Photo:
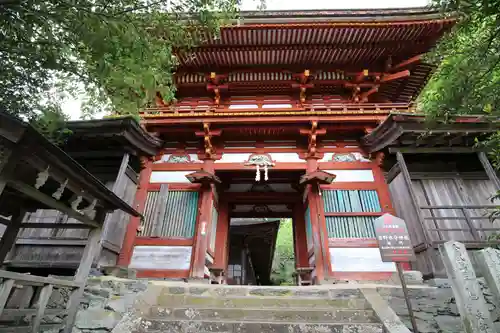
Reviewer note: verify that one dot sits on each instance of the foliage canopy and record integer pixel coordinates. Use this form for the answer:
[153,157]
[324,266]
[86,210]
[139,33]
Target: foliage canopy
[120,52]
[467,80]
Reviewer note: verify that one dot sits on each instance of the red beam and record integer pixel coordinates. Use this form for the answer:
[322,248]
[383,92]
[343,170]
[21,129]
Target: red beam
[364,96]
[407,62]
[395,76]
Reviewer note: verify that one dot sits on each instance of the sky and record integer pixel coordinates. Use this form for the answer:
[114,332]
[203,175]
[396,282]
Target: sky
[72,107]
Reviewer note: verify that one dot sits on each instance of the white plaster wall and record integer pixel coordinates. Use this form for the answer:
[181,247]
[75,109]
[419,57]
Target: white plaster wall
[352,175]
[286,157]
[359,260]
[234,158]
[169,177]
[161,257]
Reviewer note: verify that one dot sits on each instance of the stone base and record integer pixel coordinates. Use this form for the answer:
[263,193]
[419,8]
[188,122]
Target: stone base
[198,281]
[411,278]
[121,272]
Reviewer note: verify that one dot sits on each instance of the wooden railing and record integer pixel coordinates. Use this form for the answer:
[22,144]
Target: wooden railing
[30,295]
[175,110]
[473,232]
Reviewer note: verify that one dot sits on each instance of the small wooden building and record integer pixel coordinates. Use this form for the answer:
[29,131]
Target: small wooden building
[439,181]
[113,150]
[36,175]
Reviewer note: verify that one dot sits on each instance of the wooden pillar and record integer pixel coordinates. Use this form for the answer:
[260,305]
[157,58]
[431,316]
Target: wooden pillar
[134,222]
[91,250]
[430,251]
[204,224]
[300,237]
[222,237]
[317,219]
[5,159]
[490,171]
[9,236]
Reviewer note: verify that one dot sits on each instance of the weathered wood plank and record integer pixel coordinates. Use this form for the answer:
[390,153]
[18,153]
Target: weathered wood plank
[89,253]
[492,175]
[10,234]
[159,213]
[55,226]
[53,241]
[437,150]
[27,329]
[10,314]
[5,290]
[36,280]
[42,304]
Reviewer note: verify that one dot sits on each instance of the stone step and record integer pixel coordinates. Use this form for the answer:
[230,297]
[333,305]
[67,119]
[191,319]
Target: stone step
[290,315]
[193,326]
[225,291]
[169,300]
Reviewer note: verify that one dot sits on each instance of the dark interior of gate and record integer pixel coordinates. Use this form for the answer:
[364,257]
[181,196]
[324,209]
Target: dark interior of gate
[255,208]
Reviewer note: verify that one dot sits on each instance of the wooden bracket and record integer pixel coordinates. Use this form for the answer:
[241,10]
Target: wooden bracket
[214,84]
[304,79]
[313,136]
[207,135]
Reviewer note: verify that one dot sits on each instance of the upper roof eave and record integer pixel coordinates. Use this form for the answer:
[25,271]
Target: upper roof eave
[347,15]
[123,126]
[397,124]
[17,131]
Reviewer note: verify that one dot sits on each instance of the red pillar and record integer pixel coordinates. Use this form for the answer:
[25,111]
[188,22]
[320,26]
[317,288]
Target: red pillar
[134,222]
[222,238]
[300,237]
[204,222]
[318,226]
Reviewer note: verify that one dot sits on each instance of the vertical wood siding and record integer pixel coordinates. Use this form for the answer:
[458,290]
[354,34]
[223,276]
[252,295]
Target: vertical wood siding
[350,226]
[309,238]
[180,214]
[148,224]
[454,192]
[213,231]
[350,201]
[342,201]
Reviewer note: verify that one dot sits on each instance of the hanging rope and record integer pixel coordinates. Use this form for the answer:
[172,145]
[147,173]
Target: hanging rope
[265,172]
[257,175]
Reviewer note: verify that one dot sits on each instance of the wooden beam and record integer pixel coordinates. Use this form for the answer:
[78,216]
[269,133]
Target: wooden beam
[395,76]
[364,96]
[406,62]
[42,304]
[51,202]
[10,234]
[414,202]
[33,280]
[51,241]
[492,175]
[88,256]
[55,226]
[436,150]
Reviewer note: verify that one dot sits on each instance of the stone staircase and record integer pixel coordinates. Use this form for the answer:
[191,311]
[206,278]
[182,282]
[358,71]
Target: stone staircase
[250,309]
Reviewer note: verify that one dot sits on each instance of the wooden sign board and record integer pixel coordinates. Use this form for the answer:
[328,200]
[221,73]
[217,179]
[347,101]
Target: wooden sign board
[393,239]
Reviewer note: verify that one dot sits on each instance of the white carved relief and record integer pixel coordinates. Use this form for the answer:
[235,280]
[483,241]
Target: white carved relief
[349,157]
